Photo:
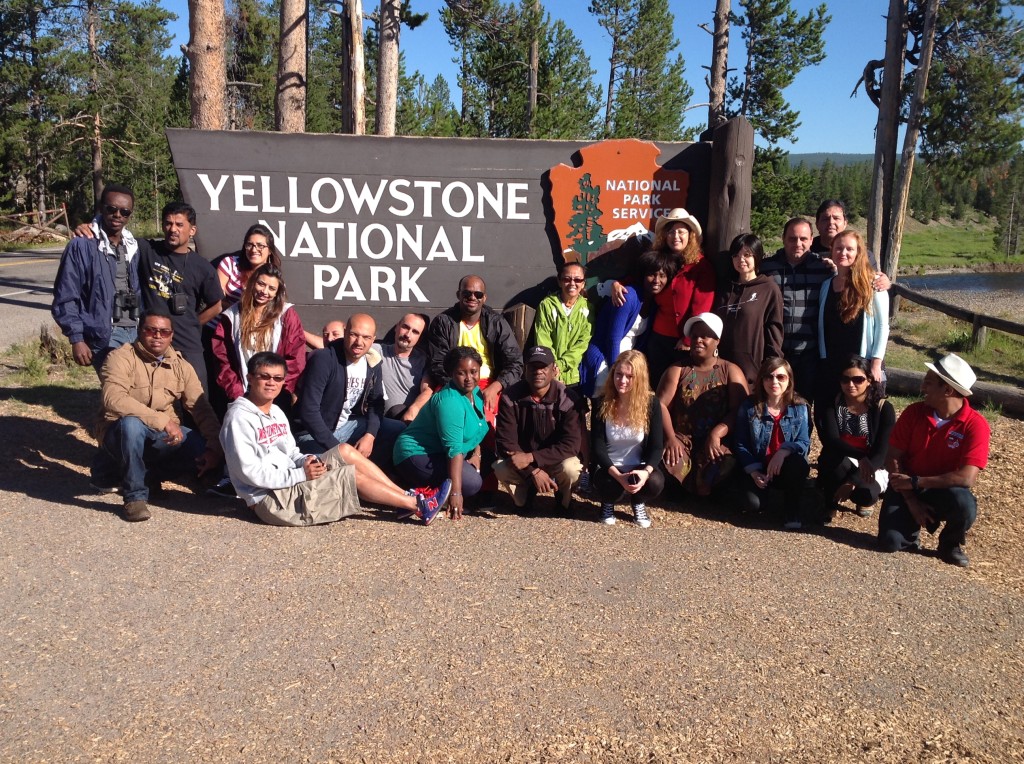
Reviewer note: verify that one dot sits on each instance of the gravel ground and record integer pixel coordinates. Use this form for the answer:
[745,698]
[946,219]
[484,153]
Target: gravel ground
[202,635]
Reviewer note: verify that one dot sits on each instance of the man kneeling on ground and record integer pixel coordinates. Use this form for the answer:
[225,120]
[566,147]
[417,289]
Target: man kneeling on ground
[286,487]
[141,439]
[937,448]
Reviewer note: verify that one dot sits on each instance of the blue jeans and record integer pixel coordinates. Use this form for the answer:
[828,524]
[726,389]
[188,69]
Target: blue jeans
[121,335]
[897,528]
[353,430]
[130,450]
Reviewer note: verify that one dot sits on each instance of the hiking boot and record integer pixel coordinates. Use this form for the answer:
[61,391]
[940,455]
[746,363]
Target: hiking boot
[954,555]
[640,516]
[608,514]
[136,511]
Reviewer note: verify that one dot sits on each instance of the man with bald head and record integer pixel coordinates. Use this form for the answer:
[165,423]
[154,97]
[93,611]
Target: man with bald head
[342,397]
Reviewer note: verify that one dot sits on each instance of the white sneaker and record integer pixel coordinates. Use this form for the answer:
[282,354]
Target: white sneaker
[640,516]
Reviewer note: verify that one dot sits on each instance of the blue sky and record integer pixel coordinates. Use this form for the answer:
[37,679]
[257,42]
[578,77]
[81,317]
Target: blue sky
[831,120]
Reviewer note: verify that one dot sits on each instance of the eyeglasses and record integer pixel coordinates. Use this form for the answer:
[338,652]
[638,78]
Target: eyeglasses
[469,293]
[254,247]
[858,379]
[571,280]
[152,331]
[110,209]
[777,377]
[265,377]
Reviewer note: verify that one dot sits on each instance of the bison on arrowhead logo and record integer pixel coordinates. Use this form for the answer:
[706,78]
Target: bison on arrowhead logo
[618,191]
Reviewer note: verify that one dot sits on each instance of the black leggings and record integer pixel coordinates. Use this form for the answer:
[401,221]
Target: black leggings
[789,483]
[835,469]
[609,490]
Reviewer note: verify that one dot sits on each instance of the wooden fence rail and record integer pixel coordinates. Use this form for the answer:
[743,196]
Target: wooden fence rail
[980,323]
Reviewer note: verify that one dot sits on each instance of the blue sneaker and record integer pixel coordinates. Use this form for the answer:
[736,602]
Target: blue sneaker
[428,508]
[443,493]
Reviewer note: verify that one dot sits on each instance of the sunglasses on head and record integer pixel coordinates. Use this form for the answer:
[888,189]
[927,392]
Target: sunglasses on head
[154,331]
[857,379]
[266,377]
[469,293]
[110,209]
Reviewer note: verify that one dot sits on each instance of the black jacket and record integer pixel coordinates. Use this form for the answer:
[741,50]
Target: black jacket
[506,355]
[324,389]
[653,446]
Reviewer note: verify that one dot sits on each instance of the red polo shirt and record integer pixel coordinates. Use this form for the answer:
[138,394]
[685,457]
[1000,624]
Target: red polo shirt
[930,450]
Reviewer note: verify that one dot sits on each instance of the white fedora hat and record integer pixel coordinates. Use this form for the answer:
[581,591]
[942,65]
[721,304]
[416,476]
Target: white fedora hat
[714,323]
[955,372]
[678,215]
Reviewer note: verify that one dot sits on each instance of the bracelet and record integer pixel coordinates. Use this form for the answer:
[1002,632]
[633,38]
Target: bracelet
[913,483]
[455,494]
[535,471]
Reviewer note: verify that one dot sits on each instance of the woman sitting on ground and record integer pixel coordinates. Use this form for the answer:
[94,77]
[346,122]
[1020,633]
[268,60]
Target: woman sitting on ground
[263,320]
[855,429]
[772,441]
[701,394]
[443,441]
[627,440]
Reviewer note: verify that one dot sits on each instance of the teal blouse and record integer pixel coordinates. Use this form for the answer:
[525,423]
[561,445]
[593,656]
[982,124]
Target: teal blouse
[449,424]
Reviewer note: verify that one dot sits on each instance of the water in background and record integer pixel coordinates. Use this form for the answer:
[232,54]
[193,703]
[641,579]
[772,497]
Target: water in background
[965,282]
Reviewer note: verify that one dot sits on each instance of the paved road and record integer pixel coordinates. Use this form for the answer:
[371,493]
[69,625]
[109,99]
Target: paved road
[26,289]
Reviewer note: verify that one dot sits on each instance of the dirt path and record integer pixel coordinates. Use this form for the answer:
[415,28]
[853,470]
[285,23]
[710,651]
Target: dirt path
[202,635]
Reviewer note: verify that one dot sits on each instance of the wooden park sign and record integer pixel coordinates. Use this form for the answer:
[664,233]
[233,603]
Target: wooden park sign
[390,225]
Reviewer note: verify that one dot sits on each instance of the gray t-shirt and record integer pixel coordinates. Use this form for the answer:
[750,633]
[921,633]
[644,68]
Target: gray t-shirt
[401,376]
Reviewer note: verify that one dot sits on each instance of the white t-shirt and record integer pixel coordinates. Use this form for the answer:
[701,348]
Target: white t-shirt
[624,444]
[356,376]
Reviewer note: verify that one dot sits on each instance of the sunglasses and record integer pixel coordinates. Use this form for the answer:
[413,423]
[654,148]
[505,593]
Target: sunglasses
[255,247]
[572,280]
[152,331]
[777,377]
[265,377]
[110,209]
[858,379]
[468,293]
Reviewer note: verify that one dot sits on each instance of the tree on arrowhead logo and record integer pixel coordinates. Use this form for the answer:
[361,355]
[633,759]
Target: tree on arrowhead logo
[618,191]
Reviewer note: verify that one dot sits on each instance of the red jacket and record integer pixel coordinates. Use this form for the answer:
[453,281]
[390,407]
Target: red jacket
[290,343]
[692,291]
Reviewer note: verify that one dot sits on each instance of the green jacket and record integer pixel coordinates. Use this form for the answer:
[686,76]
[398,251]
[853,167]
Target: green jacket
[567,335]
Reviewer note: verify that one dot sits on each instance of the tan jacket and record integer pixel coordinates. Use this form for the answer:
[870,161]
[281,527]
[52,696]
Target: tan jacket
[136,384]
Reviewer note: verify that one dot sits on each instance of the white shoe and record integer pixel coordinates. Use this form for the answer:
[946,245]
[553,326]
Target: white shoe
[640,516]
[608,514]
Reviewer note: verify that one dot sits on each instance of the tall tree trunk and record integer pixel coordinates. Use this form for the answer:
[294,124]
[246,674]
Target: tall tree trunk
[886,132]
[290,96]
[613,65]
[94,82]
[531,103]
[719,65]
[387,66]
[899,205]
[353,115]
[207,63]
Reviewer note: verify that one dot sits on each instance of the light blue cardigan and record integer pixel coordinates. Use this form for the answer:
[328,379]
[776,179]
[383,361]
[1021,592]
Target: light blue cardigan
[876,324]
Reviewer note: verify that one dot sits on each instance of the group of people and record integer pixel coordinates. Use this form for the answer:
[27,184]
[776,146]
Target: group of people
[678,377]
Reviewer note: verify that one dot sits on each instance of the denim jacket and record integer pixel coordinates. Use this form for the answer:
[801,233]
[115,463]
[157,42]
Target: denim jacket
[754,433]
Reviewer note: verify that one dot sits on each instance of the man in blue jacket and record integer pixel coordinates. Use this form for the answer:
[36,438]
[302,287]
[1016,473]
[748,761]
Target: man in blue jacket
[96,292]
[342,398]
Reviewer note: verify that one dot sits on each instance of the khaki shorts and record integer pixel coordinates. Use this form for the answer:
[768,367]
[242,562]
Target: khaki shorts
[325,500]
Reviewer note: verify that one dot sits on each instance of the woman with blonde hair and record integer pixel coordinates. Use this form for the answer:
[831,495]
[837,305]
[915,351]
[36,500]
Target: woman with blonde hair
[627,440]
[853,319]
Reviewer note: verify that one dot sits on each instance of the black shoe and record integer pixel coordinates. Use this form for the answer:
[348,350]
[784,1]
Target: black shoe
[101,486]
[224,489]
[954,555]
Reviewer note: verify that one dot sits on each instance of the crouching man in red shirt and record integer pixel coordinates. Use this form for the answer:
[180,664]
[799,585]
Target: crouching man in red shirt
[936,450]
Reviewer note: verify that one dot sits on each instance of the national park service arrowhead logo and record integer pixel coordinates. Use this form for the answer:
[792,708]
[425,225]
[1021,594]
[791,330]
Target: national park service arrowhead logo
[618,190]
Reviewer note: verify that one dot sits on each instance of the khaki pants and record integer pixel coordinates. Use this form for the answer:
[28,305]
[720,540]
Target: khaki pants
[566,475]
[313,502]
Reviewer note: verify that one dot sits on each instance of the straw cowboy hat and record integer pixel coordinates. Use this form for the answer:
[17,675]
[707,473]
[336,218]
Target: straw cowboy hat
[954,371]
[678,215]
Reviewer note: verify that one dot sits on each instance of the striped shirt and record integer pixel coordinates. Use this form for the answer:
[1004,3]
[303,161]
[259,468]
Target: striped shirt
[800,285]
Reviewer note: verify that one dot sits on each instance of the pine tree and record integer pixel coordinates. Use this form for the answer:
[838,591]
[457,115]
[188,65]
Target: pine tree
[779,44]
[653,92]
[585,229]
[568,103]
[252,65]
